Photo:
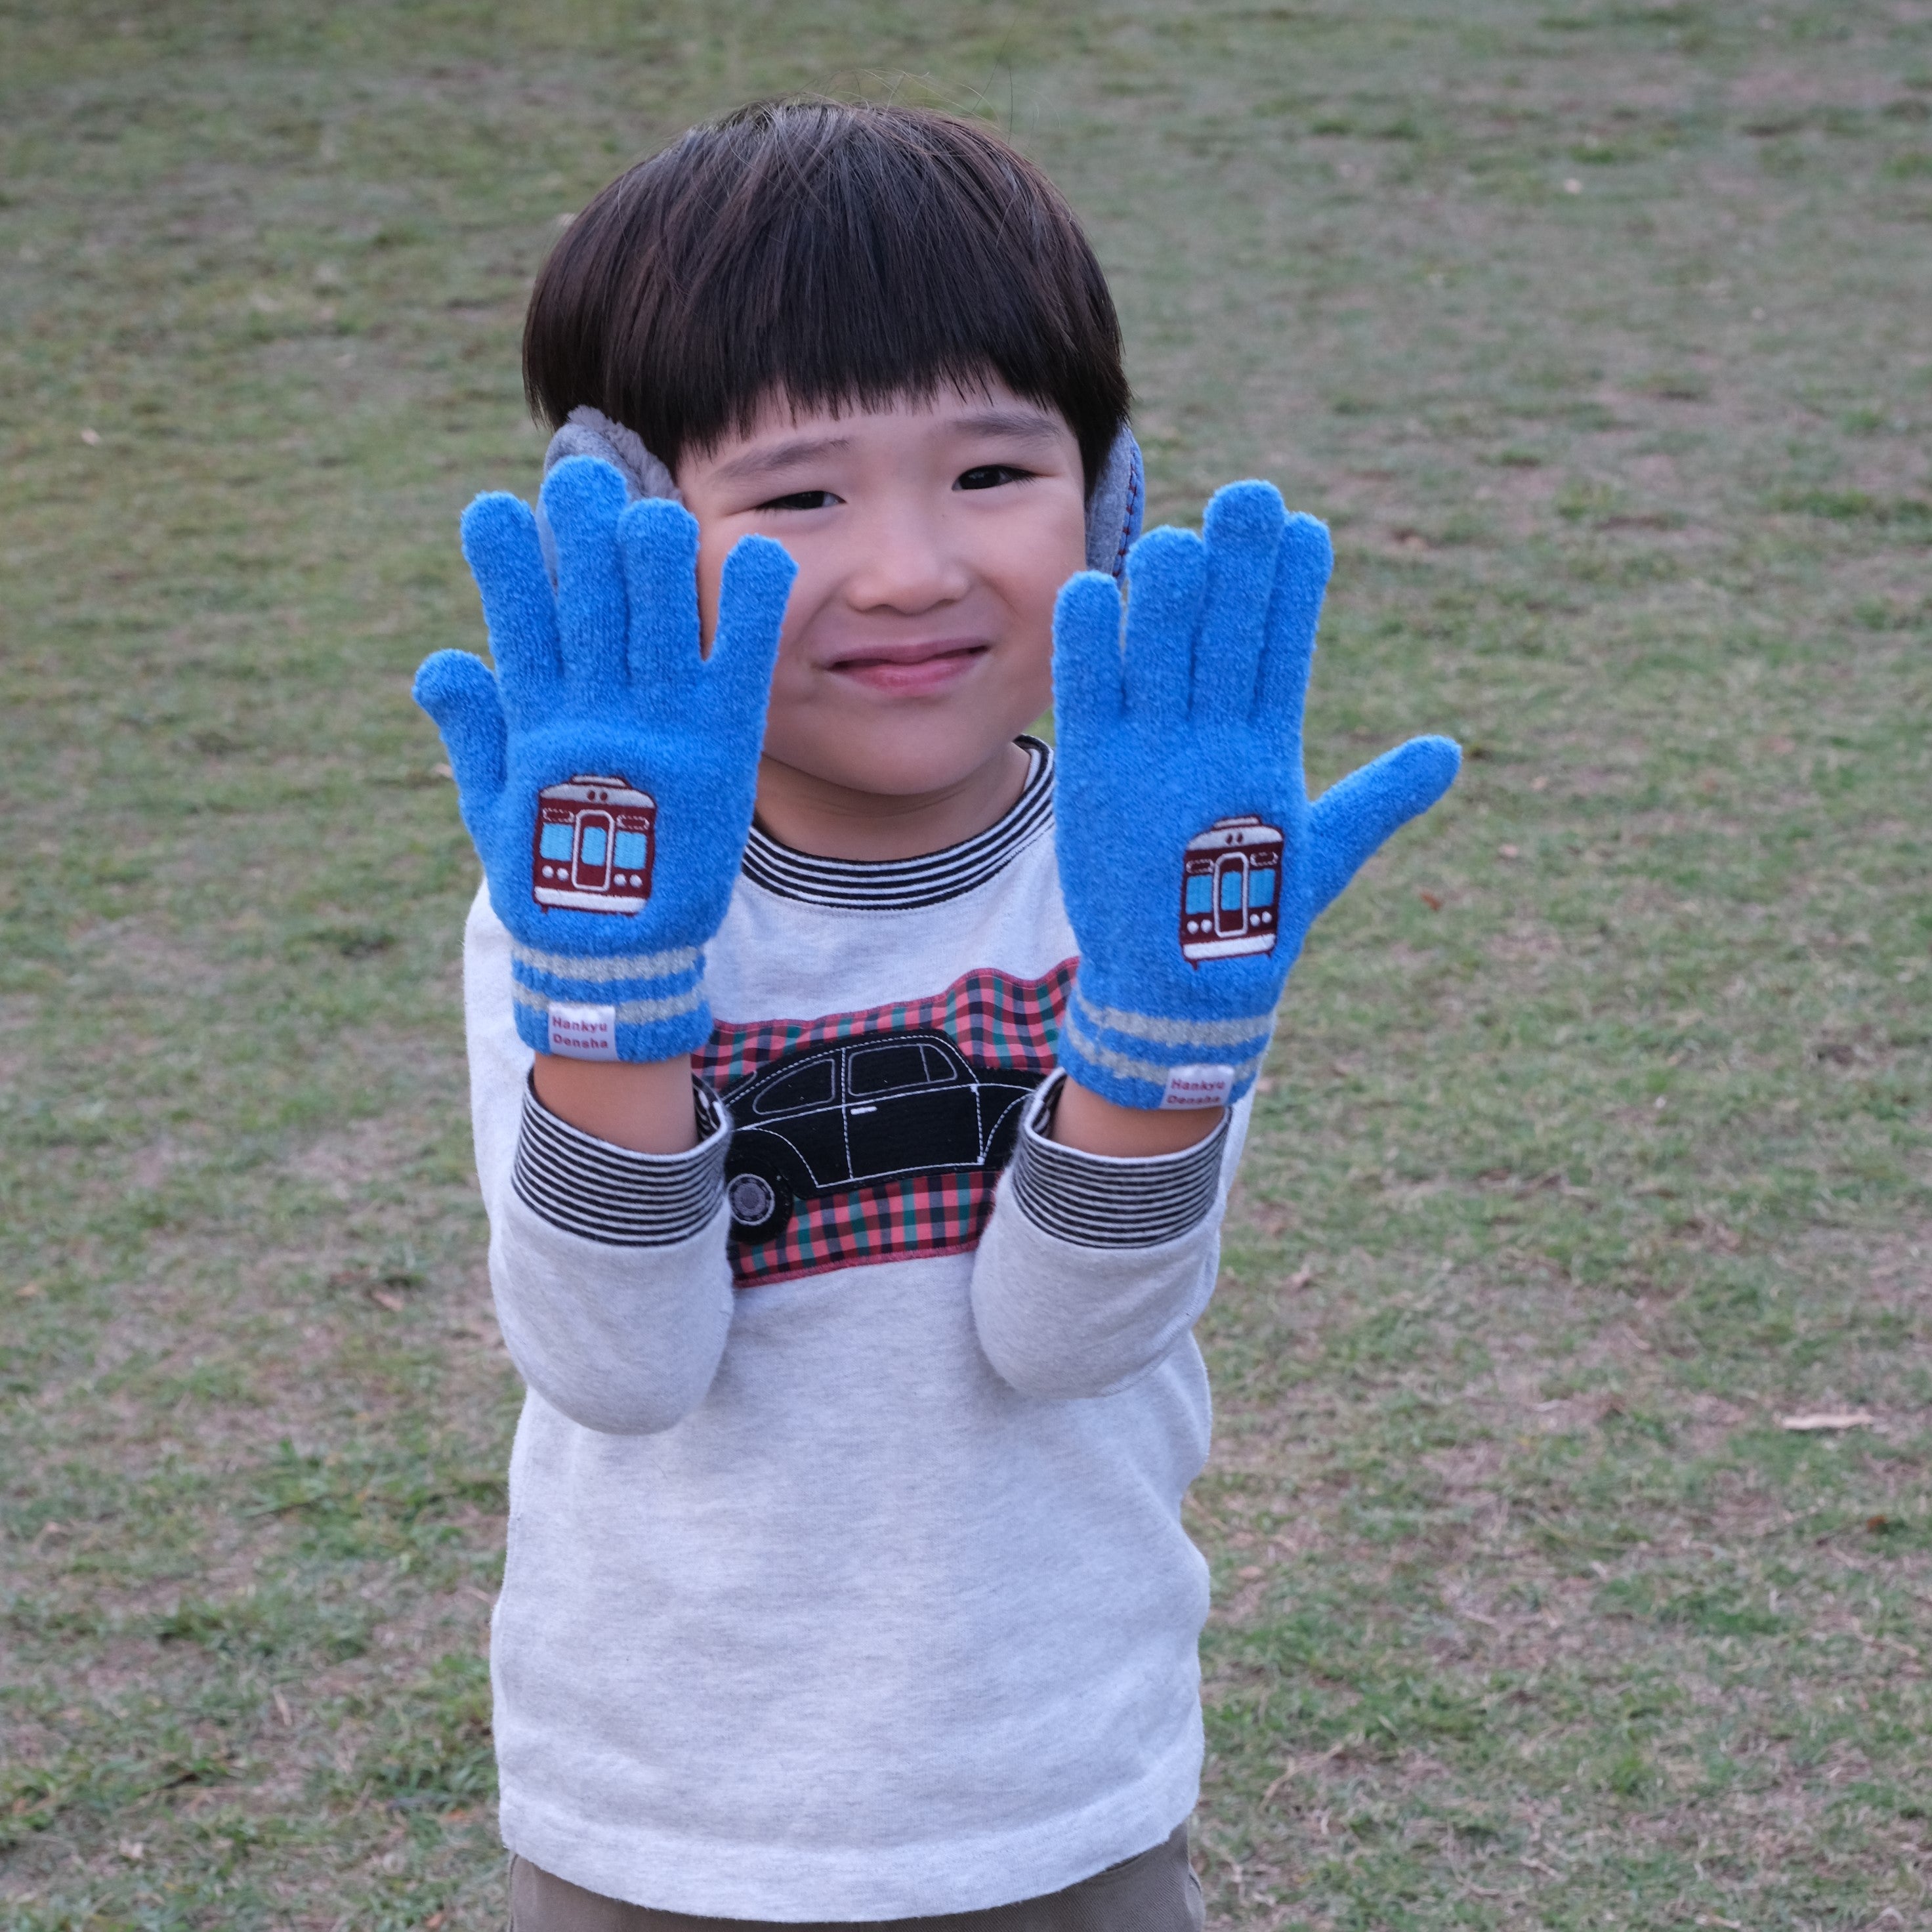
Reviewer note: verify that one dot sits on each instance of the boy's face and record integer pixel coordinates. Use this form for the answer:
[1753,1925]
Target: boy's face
[931,538]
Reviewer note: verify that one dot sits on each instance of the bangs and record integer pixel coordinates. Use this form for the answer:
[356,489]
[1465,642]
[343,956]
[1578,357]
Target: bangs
[831,255]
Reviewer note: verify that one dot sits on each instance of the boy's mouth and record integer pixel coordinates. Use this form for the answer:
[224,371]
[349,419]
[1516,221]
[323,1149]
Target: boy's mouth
[911,670]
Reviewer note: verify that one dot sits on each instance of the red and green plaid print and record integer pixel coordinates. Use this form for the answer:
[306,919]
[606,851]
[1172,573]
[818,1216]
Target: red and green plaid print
[996,1020]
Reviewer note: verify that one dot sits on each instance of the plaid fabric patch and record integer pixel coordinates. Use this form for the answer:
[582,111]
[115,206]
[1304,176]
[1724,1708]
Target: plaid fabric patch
[996,1021]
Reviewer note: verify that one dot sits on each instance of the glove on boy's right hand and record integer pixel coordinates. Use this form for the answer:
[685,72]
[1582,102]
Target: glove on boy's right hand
[606,771]
[1191,860]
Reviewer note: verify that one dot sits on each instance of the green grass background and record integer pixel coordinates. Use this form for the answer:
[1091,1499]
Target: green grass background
[1595,1142]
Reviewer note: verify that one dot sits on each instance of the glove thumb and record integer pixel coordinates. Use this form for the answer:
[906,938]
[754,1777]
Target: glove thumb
[1353,816]
[459,692]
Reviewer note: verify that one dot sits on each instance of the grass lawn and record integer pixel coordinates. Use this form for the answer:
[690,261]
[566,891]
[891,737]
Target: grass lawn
[1596,1142]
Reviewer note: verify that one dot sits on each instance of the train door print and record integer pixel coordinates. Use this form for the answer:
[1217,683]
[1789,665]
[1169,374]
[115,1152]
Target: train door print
[594,845]
[1231,880]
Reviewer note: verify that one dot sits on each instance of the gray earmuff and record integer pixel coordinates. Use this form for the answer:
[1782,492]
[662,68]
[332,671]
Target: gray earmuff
[589,432]
[1114,509]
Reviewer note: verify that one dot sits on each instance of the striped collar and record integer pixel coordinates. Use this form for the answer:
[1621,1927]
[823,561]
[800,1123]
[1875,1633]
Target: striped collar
[899,885]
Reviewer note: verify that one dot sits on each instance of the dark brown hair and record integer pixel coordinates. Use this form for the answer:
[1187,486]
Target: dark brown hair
[835,256]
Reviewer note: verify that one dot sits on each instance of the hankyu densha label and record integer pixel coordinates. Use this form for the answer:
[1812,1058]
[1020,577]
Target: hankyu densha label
[1198,1087]
[583,1033]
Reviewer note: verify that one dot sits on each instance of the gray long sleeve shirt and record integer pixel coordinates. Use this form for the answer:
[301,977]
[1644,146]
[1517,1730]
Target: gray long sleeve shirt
[846,1577]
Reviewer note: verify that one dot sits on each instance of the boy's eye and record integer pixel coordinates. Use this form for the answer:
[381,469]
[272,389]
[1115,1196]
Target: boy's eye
[991,475]
[801,499]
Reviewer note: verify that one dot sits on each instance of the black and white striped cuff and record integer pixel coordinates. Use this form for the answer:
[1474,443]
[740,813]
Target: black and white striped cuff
[604,1193]
[1103,1201]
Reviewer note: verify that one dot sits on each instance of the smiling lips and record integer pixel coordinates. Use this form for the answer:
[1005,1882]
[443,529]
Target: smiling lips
[911,670]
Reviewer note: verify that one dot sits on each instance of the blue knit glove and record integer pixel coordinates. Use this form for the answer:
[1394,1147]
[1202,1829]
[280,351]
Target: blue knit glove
[1191,860]
[606,770]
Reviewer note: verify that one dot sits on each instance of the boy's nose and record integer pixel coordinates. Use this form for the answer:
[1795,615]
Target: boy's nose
[907,560]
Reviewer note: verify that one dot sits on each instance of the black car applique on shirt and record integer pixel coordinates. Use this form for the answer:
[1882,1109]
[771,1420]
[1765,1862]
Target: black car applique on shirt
[914,1177]
[872,1107]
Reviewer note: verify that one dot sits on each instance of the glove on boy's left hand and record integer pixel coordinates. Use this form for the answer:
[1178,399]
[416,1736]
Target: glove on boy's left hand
[606,771]
[1191,860]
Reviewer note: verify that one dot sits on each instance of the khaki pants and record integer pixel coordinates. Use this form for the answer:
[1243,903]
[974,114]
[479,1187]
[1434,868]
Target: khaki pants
[1155,1892]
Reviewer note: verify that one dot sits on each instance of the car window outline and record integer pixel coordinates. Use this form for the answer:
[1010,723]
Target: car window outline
[934,1053]
[763,1106]
[900,1044]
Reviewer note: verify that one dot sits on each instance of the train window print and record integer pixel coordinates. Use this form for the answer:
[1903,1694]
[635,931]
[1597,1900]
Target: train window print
[594,845]
[1228,881]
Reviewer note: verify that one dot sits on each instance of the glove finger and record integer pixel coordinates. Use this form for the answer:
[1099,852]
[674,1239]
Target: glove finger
[499,544]
[1302,560]
[751,598]
[659,540]
[1242,531]
[1353,816]
[1086,667]
[1166,572]
[582,499]
[460,693]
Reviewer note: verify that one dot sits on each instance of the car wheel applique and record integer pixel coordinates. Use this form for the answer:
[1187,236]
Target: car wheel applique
[760,1205]
[1230,882]
[871,1107]
[594,845]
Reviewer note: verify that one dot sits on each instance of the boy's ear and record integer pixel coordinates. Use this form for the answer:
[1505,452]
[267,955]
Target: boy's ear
[1113,510]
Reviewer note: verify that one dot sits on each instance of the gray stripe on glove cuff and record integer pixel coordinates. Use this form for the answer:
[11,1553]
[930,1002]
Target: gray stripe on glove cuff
[1126,1067]
[629,1012]
[1199,1034]
[589,970]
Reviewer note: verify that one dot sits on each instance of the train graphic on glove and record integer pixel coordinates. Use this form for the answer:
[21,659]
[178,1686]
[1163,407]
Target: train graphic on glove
[1230,890]
[594,845]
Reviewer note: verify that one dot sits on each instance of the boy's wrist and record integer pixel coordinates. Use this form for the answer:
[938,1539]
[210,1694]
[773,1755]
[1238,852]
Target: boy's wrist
[644,1106]
[1092,1124]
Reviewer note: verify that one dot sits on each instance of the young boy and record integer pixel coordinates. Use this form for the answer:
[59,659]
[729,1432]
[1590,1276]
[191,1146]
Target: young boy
[854,1150]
